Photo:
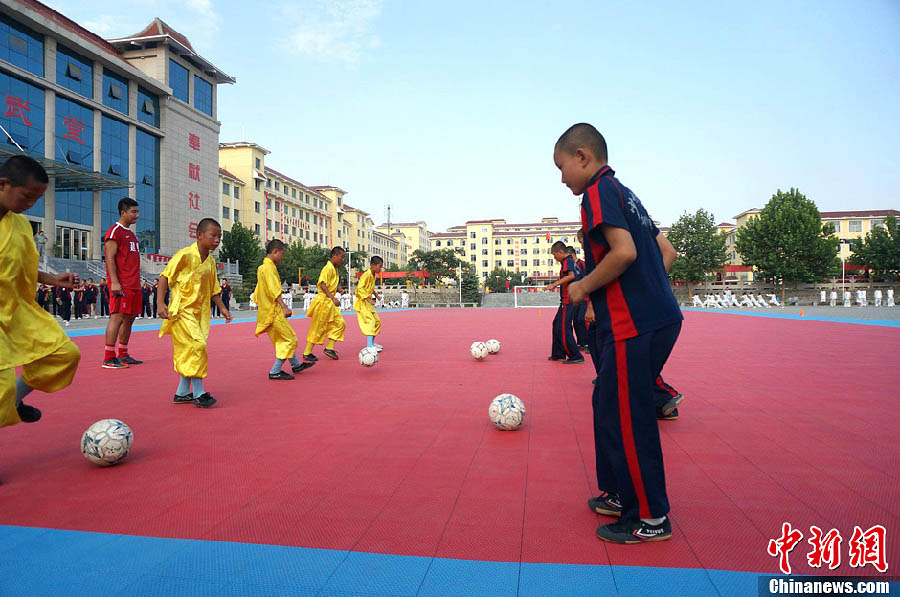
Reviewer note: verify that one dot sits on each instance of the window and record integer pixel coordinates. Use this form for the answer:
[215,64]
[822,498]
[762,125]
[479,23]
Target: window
[496,241]
[307,200]
[277,226]
[473,259]
[307,216]
[854,226]
[256,207]
[498,251]
[437,243]
[256,228]
[471,235]
[21,46]
[293,230]
[484,241]
[268,224]
[257,185]
[147,163]
[484,251]
[524,241]
[877,224]
[268,183]
[535,251]
[203,95]
[257,164]
[237,214]
[307,235]
[472,246]
[315,219]
[226,188]
[524,263]
[115,92]
[178,81]
[293,193]
[523,251]
[510,251]
[225,213]
[277,186]
[113,160]
[510,263]
[237,192]
[449,243]
[277,206]
[484,263]
[315,237]
[551,262]
[537,239]
[498,263]
[509,241]
[536,262]
[74,72]
[268,204]
[148,107]
[74,133]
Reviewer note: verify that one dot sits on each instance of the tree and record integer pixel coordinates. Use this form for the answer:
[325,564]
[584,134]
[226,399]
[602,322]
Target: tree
[880,250]
[788,242]
[701,249]
[470,292]
[438,264]
[242,245]
[497,279]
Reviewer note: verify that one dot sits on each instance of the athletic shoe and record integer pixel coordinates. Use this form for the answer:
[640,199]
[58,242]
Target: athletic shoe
[330,354]
[28,414]
[594,381]
[669,417]
[311,358]
[379,347]
[301,367]
[188,399]
[573,361]
[129,360]
[114,363]
[635,531]
[281,375]
[606,504]
[671,405]
[585,348]
[204,400]
[67,324]
[553,358]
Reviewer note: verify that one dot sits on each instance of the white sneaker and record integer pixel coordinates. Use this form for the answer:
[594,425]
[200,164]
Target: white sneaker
[379,347]
[67,324]
[96,316]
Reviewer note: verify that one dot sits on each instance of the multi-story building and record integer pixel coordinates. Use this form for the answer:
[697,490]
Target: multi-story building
[246,161]
[132,117]
[388,248]
[525,248]
[231,205]
[339,230]
[415,235]
[359,229]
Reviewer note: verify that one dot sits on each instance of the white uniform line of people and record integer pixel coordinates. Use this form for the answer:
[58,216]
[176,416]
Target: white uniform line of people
[728,299]
[862,299]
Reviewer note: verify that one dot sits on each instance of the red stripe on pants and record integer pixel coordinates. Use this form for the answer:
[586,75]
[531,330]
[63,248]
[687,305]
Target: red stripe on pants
[669,389]
[631,457]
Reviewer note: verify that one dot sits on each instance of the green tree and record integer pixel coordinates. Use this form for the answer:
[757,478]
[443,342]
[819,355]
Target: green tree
[242,245]
[470,292]
[788,242]
[880,250]
[496,280]
[700,247]
[438,264]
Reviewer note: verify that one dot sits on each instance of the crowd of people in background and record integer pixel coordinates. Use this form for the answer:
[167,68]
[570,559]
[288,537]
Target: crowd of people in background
[90,300]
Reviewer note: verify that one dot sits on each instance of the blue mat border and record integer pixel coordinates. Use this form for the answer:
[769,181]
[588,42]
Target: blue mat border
[876,322]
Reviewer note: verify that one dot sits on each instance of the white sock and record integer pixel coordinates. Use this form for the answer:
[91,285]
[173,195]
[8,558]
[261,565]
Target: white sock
[653,521]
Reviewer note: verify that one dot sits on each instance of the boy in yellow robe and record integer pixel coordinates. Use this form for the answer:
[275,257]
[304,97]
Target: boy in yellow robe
[366,316]
[325,310]
[29,336]
[273,313]
[192,277]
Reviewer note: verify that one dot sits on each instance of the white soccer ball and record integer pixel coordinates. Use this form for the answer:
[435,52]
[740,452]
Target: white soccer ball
[507,412]
[107,442]
[368,356]
[478,350]
[493,346]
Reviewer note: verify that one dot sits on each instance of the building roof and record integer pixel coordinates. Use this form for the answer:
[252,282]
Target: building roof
[159,31]
[296,182]
[754,210]
[440,235]
[404,225]
[720,225]
[348,208]
[495,220]
[328,188]
[865,213]
[227,174]
[244,144]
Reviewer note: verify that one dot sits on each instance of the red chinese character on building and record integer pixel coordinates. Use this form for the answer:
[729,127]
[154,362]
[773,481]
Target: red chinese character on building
[826,548]
[192,229]
[194,200]
[76,127]
[868,548]
[782,546]
[16,107]
[194,171]
[194,141]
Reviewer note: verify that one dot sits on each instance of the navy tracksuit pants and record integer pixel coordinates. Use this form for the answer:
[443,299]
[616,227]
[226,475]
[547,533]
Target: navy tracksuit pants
[564,344]
[580,328]
[626,434]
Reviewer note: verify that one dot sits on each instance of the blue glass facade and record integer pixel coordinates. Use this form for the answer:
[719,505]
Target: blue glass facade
[147,179]
[74,72]
[178,81]
[23,117]
[148,107]
[21,46]
[115,92]
[113,162]
[203,95]
[75,144]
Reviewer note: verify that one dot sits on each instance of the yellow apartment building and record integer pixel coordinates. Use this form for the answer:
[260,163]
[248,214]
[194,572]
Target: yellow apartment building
[415,235]
[295,212]
[231,197]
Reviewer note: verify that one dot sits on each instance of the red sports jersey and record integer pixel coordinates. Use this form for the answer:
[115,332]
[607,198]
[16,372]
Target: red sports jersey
[128,256]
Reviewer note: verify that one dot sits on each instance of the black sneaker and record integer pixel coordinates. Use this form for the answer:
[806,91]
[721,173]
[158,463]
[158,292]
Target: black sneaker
[606,504]
[585,348]
[28,414]
[635,531]
[310,358]
[594,381]
[573,361]
[204,400]
[330,354]
[114,363]
[669,417]
[281,375]
[129,360]
[553,358]
[671,405]
[301,367]
[187,399]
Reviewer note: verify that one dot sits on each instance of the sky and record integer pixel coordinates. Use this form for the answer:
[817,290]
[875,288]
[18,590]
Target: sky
[448,111]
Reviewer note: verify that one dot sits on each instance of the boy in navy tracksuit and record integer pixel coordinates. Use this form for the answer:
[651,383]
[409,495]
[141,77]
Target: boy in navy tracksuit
[638,321]
[564,348]
[580,310]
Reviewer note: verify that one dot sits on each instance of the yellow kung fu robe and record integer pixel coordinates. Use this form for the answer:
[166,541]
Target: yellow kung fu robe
[270,318]
[193,283]
[366,316]
[326,321]
[29,336]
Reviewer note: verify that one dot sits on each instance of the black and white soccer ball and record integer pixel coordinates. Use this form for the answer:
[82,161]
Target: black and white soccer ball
[507,412]
[107,442]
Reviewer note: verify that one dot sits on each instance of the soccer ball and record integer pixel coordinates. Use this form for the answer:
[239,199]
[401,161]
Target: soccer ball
[493,346]
[107,442]
[368,356]
[507,412]
[478,350]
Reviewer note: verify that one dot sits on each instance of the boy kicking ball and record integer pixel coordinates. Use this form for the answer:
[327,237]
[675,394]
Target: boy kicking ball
[273,313]
[366,316]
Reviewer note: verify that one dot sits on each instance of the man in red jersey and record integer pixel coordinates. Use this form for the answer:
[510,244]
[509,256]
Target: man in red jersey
[123,271]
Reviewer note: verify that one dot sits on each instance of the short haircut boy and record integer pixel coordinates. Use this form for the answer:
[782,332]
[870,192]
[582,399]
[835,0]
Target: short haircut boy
[558,246]
[376,260]
[126,203]
[583,135]
[275,245]
[337,251]
[19,169]
[206,223]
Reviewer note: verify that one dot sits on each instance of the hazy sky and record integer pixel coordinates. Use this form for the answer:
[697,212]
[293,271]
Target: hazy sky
[449,110]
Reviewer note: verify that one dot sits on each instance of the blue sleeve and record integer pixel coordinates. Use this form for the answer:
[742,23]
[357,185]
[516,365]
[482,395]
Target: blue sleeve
[603,203]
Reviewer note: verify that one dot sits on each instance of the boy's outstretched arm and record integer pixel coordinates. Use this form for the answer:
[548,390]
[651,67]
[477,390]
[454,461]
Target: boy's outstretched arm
[63,279]
[622,254]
